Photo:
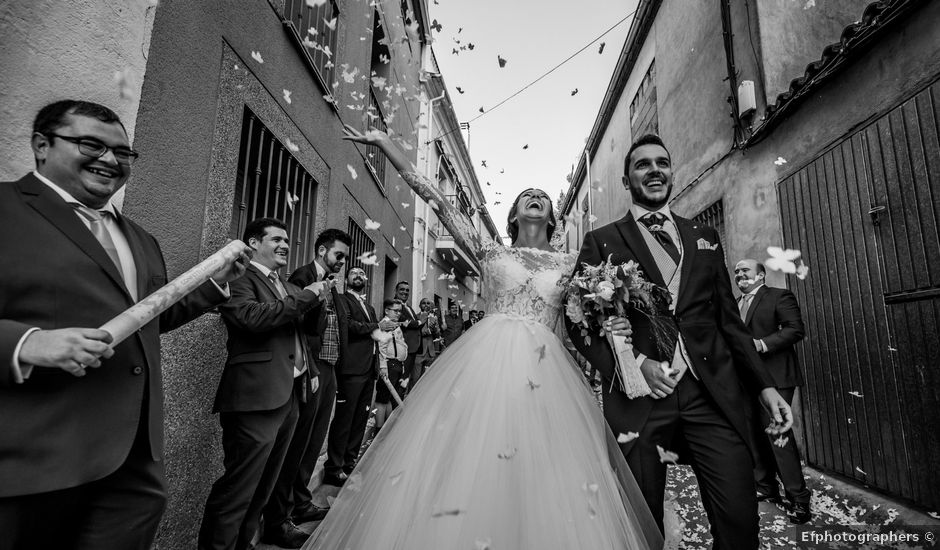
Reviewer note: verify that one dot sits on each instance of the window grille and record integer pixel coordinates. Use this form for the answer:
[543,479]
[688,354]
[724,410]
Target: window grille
[714,216]
[361,243]
[316,29]
[643,115]
[271,183]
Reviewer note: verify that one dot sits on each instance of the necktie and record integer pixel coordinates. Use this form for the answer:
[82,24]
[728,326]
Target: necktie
[96,225]
[745,304]
[299,365]
[655,222]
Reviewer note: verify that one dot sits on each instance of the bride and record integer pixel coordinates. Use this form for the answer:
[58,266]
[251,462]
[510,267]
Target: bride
[501,445]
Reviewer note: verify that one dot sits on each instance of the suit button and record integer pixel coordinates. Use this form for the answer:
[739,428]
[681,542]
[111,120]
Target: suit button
[137,371]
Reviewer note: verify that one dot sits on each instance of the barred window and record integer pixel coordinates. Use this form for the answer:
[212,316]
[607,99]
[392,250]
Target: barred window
[377,112]
[361,243]
[271,183]
[314,29]
[714,216]
[643,115]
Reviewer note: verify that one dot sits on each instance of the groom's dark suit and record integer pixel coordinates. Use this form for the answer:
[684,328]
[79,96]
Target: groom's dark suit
[81,458]
[706,418]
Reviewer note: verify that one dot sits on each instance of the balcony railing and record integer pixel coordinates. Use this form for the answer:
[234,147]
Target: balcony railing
[374,156]
[314,31]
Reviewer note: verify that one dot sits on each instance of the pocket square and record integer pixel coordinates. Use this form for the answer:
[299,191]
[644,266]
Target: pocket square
[705,245]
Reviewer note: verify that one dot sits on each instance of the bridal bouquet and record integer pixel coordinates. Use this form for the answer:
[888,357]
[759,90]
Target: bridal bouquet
[601,291]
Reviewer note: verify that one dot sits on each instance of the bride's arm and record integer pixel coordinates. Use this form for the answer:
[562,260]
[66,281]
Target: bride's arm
[456,222]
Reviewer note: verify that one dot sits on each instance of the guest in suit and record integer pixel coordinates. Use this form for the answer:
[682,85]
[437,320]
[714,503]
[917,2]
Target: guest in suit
[81,448]
[355,382]
[772,315]
[326,330]
[430,333]
[471,320]
[453,325]
[411,326]
[697,365]
[266,378]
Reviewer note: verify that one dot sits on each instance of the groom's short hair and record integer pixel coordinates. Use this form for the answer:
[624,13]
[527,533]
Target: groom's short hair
[645,139]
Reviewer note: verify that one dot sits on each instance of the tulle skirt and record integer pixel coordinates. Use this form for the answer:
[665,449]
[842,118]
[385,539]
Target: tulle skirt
[500,446]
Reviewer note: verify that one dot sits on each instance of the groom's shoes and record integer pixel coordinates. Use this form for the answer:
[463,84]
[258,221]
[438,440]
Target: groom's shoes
[285,535]
[308,513]
[799,513]
[761,497]
[336,480]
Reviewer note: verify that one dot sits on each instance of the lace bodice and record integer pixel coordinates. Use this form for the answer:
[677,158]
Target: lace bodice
[526,282]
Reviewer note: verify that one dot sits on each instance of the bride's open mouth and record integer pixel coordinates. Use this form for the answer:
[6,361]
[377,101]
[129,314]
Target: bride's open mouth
[534,204]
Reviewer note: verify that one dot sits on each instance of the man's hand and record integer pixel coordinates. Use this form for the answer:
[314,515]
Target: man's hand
[320,288]
[779,411]
[314,384]
[387,326]
[659,378]
[69,349]
[234,268]
[383,373]
[619,326]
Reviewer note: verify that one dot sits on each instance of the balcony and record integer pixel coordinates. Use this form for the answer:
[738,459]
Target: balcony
[463,262]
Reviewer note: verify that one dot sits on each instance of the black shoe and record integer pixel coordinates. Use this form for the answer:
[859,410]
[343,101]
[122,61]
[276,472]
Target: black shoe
[761,497]
[800,513]
[308,513]
[285,535]
[334,479]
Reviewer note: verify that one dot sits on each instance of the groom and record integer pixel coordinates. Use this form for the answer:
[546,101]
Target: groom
[701,369]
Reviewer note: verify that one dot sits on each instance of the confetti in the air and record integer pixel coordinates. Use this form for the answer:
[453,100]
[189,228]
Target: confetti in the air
[541,351]
[809,4]
[526,146]
[292,199]
[291,146]
[781,441]
[780,161]
[501,61]
[533,385]
[287,96]
[368,258]
[667,456]
[782,260]
[802,270]
[405,204]
[574,92]
[601,49]
[506,455]
[859,470]
[372,225]
[331,24]
[855,394]
[436,26]
[352,171]
[627,437]
[257,56]
[459,89]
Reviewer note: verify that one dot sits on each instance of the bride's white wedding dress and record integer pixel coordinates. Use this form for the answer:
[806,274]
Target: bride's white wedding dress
[501,445]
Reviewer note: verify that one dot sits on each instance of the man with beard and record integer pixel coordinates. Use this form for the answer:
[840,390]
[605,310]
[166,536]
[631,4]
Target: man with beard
[292,502]
[773,317]
[355,381]
[696,359]
[411,326]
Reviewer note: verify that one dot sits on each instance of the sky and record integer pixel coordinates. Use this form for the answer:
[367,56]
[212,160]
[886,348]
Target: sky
[532,36]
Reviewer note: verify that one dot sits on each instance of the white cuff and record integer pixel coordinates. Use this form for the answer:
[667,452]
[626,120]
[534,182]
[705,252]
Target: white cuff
[21,372]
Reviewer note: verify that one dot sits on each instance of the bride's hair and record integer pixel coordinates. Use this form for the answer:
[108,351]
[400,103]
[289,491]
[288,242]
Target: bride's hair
[512,226]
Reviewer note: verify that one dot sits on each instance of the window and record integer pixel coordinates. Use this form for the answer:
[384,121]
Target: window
[643,116]
[314,29]
[714,216]
[361,243]
[272,183]
[376,114]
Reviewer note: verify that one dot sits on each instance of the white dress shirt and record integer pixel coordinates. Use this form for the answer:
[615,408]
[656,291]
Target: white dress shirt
[282,290]
[759,344]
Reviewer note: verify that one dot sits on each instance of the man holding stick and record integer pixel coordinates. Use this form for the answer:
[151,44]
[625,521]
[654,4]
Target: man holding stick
[82,446]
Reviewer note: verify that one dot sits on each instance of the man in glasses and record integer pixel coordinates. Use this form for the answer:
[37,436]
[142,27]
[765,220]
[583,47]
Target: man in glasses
[81,447]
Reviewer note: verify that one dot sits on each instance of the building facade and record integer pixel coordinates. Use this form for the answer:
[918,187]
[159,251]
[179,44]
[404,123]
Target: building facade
[238,112]
[813,126]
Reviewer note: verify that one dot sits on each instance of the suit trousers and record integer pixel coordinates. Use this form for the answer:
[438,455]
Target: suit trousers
[413,370]
[353,400]
[773,460]
[689,419]
[254,444]
[316,423]
[121,510]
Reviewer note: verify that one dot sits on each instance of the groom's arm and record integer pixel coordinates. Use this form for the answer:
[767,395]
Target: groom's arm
[740,342]
[597,351]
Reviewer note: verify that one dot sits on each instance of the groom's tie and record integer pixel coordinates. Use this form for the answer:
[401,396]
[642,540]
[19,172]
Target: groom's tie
[654,222]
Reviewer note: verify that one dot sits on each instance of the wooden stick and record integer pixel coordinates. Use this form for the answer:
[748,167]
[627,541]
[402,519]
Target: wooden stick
[391,389]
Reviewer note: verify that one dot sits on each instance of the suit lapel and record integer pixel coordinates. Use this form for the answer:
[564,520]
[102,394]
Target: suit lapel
[264,281]
[135,242]
[61,215]
[686,230]
[634,240]
[761,292]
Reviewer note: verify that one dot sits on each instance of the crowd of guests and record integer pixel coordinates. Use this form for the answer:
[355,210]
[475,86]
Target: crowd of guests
[300,351]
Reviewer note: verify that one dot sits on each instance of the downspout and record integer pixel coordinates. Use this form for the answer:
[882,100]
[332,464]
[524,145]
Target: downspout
[427,168]
[728,39]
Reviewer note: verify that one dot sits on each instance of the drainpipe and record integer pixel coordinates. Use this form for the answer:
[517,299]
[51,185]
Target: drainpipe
[427,168]
[587,165]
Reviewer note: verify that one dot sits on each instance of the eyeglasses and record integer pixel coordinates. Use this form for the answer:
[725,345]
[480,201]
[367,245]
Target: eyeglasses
[91,147]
